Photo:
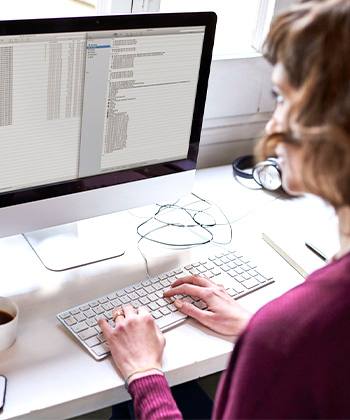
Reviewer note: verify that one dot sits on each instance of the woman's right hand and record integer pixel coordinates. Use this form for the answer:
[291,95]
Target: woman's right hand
[223,315]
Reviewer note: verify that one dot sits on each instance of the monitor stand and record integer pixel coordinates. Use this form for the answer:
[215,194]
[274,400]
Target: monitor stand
[76,244]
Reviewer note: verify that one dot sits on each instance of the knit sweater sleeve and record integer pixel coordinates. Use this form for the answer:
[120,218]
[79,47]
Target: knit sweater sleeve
[153,399]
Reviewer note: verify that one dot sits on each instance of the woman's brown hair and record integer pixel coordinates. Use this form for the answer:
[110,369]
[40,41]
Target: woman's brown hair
[312,41]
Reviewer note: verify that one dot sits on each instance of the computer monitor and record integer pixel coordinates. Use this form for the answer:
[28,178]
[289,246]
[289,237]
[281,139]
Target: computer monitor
[97,115]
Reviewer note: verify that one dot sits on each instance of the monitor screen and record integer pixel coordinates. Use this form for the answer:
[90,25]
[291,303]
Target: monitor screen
[87,103]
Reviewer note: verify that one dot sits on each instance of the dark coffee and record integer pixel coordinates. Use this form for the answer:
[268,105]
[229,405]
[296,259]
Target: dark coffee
[5,317]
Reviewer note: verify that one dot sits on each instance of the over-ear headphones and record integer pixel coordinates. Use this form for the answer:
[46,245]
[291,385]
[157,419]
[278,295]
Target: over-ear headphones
[267,173]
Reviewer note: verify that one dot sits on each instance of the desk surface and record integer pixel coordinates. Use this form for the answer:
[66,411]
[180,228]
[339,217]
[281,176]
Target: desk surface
[51,376]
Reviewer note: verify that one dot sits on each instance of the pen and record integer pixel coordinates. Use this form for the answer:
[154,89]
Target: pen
[316,251]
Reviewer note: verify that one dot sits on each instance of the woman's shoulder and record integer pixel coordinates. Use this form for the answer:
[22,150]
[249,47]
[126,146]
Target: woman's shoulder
[307,313]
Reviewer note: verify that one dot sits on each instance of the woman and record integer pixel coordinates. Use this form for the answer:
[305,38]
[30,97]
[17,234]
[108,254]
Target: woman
[292,357]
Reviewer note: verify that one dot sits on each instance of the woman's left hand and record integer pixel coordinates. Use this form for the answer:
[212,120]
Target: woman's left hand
[136,343]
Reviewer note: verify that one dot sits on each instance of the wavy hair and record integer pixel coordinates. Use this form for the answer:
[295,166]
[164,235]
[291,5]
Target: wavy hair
[312,41]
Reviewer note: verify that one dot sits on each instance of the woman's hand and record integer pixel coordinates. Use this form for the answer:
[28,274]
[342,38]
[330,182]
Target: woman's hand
[224,315]
[136,342]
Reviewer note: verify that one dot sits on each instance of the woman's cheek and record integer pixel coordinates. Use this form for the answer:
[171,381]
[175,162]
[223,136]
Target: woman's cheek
[291,178]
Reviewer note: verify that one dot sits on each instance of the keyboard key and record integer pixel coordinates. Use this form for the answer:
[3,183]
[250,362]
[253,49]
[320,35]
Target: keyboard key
[125,299]
[146,283]
[89,313]
[231,292]
[90,332]
[101,349]
[141,292]
[91,322]
[239,278]
[238,287]
[133,296]
[109,315]
[80,327]
[84,307]
[172,279]
[152,297]
[252,273]
[264,273]
[200,304]
[172,307]
[260,278]
[99,310]
[165,311]
[74,311]
[153,306]
[93,304]
[65,315]
[116,302]
[150,289]
[171,319]
[156,314]
[165,283]
[80,317]
[250,283]
[144,300]
[107,306]
[103,300]
[162,302]
[93,341]
[70,321]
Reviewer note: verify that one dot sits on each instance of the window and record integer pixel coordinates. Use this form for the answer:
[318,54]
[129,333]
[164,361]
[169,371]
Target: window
[235,27]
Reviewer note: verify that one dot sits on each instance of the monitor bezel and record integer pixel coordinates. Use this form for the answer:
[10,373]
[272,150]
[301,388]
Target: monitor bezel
[119,22]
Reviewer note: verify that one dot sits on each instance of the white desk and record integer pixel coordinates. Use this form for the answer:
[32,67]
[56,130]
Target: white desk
[51,376]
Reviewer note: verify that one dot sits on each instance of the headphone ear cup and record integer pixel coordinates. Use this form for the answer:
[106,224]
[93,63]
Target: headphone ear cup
[271,168]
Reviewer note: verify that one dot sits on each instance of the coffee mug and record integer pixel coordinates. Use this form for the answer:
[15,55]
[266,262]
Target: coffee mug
[8,322]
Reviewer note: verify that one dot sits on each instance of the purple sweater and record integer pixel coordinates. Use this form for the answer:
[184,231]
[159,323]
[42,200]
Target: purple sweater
[292,361]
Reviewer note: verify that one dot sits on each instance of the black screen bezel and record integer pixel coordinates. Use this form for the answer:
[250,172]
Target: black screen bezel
[104,23]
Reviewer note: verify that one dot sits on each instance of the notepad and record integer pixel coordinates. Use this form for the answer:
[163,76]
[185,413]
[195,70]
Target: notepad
[292,248]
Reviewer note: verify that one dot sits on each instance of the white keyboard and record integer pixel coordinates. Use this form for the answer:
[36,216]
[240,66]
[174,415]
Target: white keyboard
[238,274]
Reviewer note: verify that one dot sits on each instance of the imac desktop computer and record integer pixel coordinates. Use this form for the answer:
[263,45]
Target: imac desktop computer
[97,115]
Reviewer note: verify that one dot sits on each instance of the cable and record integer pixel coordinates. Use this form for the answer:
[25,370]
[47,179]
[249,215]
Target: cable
[193,214]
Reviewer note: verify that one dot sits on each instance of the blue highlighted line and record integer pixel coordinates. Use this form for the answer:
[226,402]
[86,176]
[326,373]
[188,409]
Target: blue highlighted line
[91,46]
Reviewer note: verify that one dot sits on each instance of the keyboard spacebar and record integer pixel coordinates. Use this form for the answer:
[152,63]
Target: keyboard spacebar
[170,320]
